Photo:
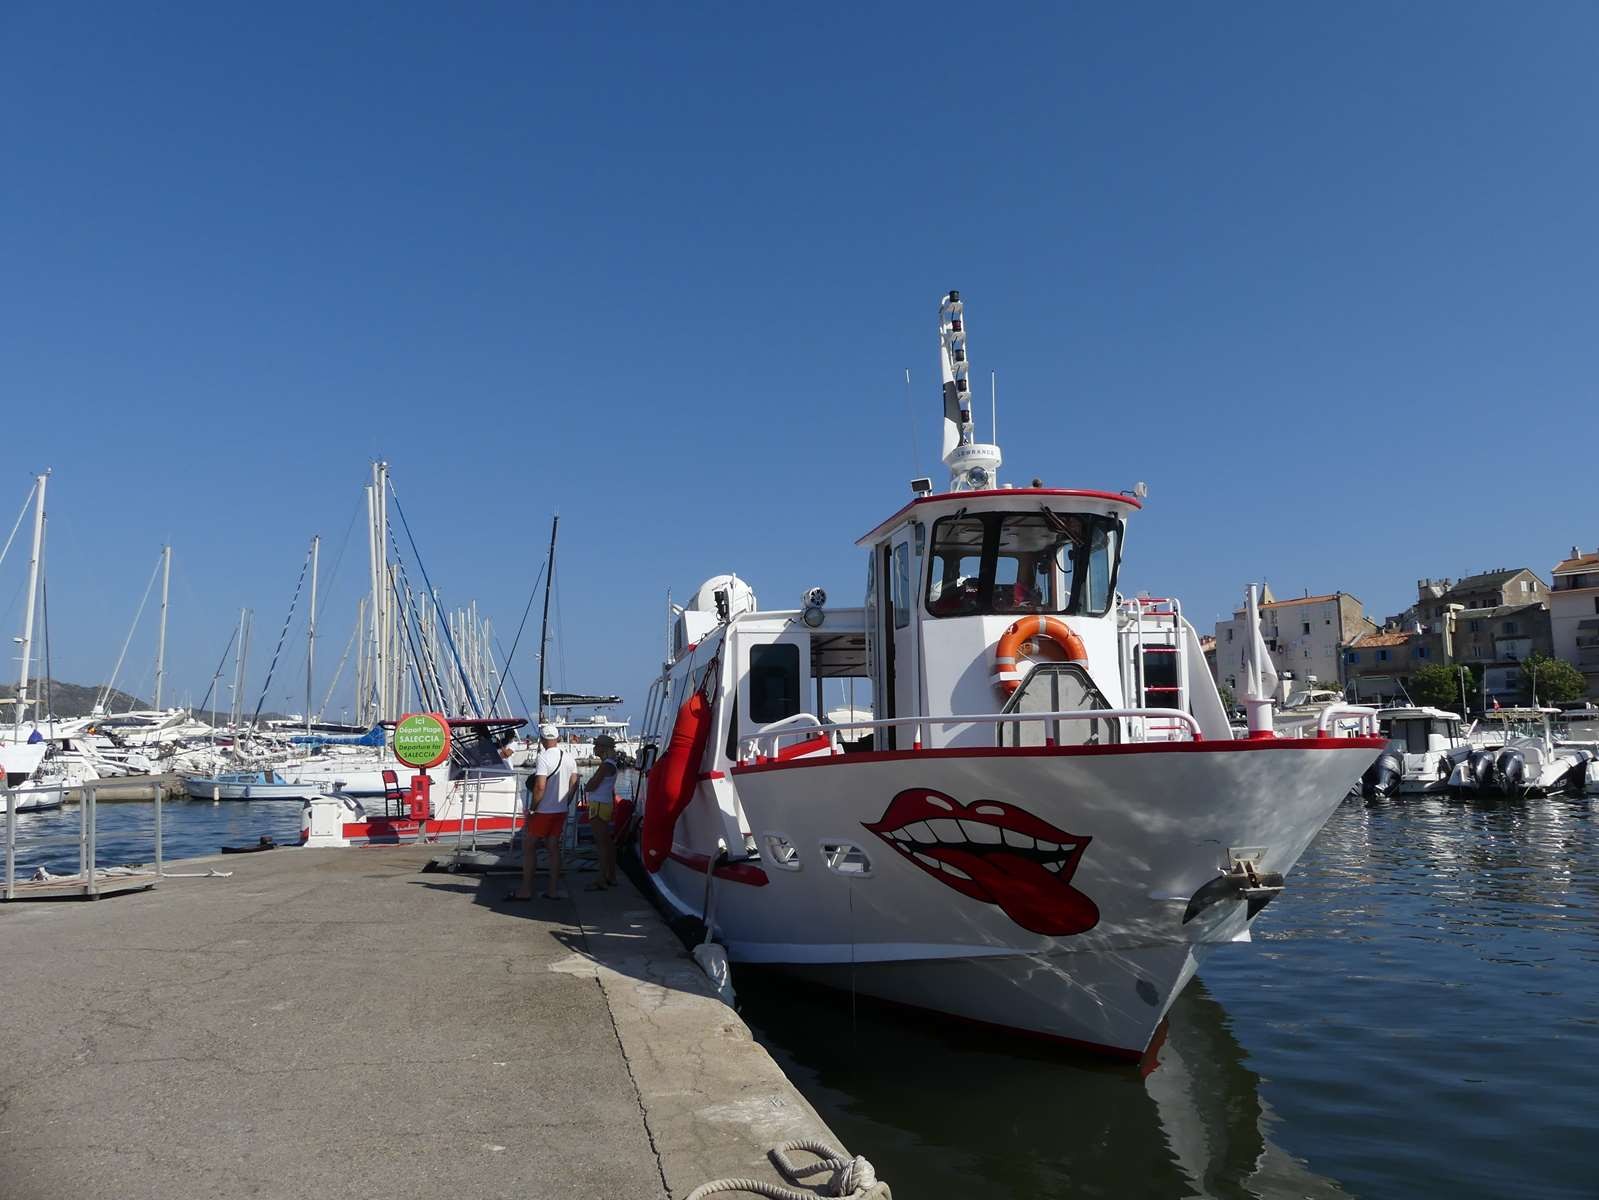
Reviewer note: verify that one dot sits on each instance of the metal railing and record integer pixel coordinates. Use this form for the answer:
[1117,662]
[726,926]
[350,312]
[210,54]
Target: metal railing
[766,740]
[1364,719]
[89,875]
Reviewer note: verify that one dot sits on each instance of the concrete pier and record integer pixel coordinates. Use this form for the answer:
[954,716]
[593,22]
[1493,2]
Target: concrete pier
[335,1023]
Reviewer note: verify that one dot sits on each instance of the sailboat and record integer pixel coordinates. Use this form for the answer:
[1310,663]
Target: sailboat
[22,745]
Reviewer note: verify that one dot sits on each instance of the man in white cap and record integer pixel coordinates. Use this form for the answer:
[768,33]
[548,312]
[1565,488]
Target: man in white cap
[553,776]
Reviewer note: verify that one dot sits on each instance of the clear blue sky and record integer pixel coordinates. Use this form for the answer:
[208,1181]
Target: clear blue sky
[1324,276]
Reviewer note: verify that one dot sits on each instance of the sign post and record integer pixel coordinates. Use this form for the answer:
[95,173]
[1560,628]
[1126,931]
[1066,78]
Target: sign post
[422,740]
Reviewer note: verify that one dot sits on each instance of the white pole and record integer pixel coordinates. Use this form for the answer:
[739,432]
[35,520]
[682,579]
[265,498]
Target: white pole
[1258,707]
[310,633]
[161,639]
[33,593]
[993,406]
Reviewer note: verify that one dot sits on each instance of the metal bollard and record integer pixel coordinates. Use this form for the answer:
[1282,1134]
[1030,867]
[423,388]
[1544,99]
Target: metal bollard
[159,792]
[11,844]
[93,888]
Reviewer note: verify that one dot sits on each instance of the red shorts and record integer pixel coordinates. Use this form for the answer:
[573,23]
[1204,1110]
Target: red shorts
[546,824]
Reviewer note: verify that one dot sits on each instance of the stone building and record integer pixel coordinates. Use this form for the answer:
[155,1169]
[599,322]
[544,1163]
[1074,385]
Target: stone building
[1574,614]
[1377,665]
[1497,640]
[1305,637]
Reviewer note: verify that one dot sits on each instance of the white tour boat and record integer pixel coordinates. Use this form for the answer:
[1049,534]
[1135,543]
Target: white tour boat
[1045,825]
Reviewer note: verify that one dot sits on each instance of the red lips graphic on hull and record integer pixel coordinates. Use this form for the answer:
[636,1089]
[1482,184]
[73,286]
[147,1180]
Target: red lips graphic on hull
[993,852]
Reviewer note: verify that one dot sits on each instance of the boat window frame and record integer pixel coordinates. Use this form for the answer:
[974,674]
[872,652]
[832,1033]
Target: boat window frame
[1075,584]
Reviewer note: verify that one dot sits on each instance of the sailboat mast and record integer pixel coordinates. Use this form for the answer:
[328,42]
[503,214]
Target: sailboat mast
[310,632]
[33,593]
[544,623]
[161,638]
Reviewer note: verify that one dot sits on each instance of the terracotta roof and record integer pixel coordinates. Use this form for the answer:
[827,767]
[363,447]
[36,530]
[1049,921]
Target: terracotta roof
[1368,640]
[1579,563]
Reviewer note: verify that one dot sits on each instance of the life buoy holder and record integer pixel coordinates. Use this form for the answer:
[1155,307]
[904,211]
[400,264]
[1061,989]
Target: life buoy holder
[1007,674]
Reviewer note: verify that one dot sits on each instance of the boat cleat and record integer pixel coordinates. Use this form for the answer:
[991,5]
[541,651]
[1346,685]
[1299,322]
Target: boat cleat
[1242,880]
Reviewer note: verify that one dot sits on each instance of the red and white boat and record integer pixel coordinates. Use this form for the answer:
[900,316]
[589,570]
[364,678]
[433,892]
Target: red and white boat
[1044,824]
[472,792]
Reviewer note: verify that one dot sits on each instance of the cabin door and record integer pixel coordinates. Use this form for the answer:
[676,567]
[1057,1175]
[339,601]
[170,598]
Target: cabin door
[899,632]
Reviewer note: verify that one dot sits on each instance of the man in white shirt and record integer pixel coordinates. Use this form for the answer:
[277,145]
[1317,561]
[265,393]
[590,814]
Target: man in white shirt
[553,776]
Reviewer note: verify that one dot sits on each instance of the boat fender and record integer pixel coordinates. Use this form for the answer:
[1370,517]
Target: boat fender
[673,779]
[1007,651]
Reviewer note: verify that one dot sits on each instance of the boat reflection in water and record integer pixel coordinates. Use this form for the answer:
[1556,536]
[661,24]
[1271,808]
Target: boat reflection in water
[944,1109]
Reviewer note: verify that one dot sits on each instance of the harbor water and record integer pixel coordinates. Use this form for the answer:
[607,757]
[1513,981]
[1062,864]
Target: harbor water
[1417,1017]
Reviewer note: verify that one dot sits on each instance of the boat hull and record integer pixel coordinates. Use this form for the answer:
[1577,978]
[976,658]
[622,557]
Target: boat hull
[1050,890]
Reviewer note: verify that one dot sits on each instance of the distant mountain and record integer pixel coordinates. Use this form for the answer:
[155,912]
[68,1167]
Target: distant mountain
[77,700]
[68,699]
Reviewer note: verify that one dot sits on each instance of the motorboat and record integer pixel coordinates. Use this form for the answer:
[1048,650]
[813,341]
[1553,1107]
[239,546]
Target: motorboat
[1424,747]
[1526,761]
[1045,824]
[1302,710]
[471,793]
[264,784]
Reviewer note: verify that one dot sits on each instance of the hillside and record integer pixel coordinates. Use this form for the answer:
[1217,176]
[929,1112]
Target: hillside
[69,699]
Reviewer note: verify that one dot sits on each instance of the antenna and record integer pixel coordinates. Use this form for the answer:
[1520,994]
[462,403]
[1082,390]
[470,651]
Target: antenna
[993,407]
[916,453]
[972,464]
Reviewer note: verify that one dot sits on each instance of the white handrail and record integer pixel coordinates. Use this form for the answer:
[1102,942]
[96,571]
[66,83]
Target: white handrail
[1366,715]
[805,722]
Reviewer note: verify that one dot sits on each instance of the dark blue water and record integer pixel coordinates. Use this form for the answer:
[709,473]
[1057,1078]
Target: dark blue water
[125,832]
[1417,1017]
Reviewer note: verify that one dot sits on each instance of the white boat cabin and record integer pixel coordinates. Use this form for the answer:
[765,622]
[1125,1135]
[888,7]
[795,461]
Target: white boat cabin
[1419,730]
[950,577]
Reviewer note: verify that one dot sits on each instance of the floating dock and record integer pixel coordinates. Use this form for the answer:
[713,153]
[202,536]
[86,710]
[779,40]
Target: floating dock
[336,1023]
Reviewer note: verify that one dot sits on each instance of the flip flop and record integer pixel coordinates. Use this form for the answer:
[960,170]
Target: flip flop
[513,898]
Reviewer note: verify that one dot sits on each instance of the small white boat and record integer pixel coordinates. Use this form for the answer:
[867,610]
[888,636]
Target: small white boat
[1525,762]
[1424,747]
[265,784]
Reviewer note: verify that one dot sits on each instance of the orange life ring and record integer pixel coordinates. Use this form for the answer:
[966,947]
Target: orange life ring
[1007,677]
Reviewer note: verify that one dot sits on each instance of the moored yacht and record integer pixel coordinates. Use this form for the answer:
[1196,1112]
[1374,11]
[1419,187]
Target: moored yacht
[1045,824]
[1522,758]
[473,791]
[1424,747]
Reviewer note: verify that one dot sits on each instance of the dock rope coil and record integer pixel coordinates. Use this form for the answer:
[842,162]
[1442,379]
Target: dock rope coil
[852,1178]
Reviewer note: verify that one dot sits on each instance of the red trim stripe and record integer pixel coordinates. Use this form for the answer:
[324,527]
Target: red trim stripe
[1237,746]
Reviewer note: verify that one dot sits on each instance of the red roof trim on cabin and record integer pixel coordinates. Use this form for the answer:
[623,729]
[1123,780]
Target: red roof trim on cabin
[1079,493]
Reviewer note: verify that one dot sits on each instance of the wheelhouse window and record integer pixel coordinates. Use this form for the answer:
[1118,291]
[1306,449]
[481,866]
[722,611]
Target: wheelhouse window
[774,682]
[1030,562]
